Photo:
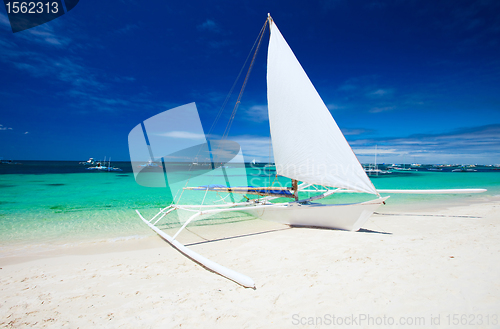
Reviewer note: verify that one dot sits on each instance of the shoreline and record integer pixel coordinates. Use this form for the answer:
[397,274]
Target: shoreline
[25,252]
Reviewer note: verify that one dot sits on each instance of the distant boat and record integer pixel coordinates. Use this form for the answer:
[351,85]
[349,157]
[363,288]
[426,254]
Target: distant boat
[150,163]
[402,169]
[9,162]
[89,162]
[100,167]
[463,169]
[268,168]
[396,168]
[374,171]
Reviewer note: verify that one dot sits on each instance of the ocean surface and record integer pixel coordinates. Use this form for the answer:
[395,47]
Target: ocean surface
[51,203]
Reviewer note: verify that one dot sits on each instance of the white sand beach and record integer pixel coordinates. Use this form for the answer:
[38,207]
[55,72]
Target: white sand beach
[438,265]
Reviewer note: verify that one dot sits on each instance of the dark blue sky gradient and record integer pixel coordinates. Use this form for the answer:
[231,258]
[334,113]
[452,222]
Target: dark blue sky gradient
[419,79]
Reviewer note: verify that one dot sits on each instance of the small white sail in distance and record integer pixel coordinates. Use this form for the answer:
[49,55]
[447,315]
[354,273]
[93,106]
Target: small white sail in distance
[307,143]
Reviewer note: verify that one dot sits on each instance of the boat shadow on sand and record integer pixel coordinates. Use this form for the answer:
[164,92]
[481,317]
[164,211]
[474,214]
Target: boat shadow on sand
[237,236]
[362,230]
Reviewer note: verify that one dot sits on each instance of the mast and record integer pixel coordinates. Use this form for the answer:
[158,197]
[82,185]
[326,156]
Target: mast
[295,189]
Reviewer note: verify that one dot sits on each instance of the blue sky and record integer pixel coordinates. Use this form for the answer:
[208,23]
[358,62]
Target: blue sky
[419,79]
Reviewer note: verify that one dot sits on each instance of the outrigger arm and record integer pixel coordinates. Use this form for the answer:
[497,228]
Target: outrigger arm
[239,278]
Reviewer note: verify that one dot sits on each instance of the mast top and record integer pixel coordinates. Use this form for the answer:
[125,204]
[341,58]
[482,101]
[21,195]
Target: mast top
[269,18]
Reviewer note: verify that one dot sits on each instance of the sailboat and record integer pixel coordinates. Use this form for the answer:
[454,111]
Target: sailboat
[320,157]
[103,167]
[374,171]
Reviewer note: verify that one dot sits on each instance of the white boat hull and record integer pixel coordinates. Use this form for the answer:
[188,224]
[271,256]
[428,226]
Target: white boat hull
[335,216]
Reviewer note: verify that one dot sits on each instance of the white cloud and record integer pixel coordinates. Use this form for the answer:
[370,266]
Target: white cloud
[84,84]
[355,131]
[467,145]
[257,113]
[380,92]
[381,109]
[127,28]
[5,128]
[333,107]
[209,25]
[183,135]
[4,21]
[44,34]
[379,151]
[348,87]
[255,147]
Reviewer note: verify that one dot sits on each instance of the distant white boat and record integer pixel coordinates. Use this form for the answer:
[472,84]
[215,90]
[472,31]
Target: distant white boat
[150,163]
[376,172]
[402,169]
[463,169]
[89,162]
[101,167]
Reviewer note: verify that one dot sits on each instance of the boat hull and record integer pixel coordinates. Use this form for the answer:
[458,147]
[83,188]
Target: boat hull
[335,216]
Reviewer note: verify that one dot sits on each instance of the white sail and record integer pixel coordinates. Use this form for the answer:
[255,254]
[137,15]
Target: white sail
[307,143]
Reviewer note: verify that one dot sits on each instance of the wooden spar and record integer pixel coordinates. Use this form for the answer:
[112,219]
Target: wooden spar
[246,188]
[295,189]
[437,191]
[261,191]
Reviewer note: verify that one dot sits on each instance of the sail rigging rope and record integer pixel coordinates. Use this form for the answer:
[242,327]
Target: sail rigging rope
[221,110]
[228,127]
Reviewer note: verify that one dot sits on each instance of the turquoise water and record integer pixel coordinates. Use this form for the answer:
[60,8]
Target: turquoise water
[56,208]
